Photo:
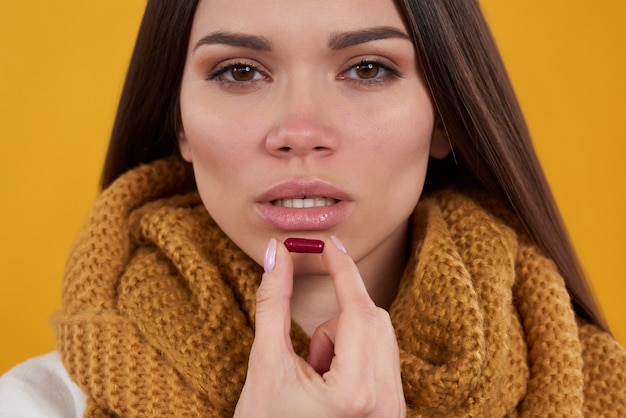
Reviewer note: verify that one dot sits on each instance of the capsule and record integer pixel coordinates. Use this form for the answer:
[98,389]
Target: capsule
[303,245]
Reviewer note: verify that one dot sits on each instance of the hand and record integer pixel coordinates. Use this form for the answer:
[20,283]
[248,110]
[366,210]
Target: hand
[353,369]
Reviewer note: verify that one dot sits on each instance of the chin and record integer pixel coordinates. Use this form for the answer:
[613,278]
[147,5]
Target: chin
[308,265]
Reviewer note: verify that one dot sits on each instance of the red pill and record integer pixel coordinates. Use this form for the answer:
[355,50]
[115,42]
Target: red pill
[303,245]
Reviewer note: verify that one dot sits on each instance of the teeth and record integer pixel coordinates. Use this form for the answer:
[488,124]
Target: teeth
[306,202]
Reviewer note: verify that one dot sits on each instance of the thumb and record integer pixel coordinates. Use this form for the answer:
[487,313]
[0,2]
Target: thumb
[273,299]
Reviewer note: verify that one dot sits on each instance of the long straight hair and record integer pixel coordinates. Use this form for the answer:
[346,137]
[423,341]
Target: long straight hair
[469,87]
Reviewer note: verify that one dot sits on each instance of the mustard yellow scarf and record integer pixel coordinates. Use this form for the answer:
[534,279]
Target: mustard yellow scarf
[159,310]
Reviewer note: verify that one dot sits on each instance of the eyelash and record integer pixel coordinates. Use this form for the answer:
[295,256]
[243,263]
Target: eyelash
[220,74]
[388,73]
[222,71]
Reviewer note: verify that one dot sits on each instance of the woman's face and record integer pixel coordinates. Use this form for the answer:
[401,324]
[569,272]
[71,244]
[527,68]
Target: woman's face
[305,119]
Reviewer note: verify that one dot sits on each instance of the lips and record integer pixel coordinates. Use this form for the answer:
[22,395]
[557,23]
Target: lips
[304,205]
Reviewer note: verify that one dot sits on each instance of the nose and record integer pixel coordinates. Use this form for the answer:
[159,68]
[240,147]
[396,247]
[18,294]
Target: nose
[303,125]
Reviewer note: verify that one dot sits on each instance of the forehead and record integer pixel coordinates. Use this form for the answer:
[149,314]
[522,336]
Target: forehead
[294,17]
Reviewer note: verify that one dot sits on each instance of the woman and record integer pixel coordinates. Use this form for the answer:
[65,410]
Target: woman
[372,158]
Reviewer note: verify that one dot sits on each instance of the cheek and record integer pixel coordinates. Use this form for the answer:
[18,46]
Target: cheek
[415,132]
[222,155]
[206,136]
[220,148]
[400,139]
[221,162]
[219,132]
[402,153]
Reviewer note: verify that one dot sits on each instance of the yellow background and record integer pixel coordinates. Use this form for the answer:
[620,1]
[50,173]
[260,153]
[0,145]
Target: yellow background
[62,65]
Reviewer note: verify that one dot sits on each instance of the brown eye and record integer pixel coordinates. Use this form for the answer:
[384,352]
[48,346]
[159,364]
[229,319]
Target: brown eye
[367,70]
[238,73]
[370,72]
[242,73]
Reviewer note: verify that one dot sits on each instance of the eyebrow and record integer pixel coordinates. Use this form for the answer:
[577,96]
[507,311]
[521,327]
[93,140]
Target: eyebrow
[348,39]
[235,39]
[338,41]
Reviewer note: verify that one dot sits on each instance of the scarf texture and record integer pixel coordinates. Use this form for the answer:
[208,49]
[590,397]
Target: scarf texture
[159,309]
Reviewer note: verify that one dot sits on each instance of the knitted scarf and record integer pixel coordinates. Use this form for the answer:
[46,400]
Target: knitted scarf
[159,309]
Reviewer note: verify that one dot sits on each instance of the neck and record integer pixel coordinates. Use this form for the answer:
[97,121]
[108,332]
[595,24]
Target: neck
[313,301]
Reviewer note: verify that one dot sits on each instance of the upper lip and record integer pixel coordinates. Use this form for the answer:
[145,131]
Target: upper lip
[299,188]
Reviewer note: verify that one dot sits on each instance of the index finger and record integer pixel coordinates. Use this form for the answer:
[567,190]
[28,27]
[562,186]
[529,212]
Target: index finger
[273,298]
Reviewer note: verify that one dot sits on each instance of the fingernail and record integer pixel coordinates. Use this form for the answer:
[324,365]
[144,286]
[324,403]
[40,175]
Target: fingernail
[338,244]
[270,256]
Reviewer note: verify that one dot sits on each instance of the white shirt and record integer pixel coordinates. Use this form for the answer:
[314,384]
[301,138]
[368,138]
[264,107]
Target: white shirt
[40,387]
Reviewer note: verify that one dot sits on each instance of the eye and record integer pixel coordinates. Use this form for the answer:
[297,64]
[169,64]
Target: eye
[369,71]
[235,73]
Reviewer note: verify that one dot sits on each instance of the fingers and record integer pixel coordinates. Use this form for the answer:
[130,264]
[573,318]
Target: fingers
[355,339]
[273,298]
[363,332]
[349,287]
[322,348]
[353,367]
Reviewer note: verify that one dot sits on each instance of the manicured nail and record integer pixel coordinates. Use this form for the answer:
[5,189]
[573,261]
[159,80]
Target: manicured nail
[270,256]
[338,244]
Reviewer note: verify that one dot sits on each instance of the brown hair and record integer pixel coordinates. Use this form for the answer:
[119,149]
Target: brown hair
[148,113]
[469,87]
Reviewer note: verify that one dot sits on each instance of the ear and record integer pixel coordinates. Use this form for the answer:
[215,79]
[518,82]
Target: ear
[440,142]
[183,146]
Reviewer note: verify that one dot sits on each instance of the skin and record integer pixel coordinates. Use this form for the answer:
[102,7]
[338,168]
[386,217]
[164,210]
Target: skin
[340,378]
[285,91]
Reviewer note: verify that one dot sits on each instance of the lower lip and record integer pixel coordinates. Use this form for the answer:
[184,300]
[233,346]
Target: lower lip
[306,219]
